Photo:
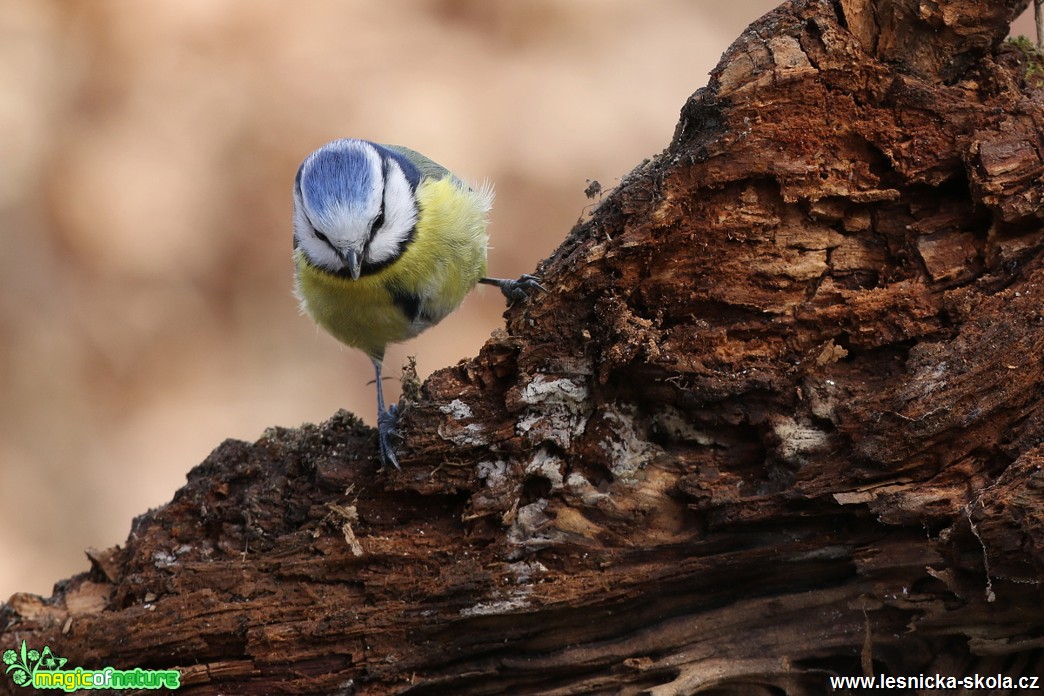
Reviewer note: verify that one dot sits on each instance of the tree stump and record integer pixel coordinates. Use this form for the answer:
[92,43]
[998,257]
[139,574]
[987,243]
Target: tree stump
[778,419]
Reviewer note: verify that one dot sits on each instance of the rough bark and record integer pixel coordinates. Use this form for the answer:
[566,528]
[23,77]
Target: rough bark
[778,419]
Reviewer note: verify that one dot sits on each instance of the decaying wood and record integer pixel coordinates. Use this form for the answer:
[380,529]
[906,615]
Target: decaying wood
[779,418]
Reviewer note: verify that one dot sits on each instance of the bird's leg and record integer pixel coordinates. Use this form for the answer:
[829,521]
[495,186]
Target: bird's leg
[387,422]
[516,290]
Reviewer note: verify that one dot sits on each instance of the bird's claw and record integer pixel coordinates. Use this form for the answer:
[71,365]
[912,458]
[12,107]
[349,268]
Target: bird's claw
[387,428]
[517,290]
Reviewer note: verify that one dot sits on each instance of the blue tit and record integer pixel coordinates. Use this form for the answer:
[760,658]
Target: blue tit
[386,244]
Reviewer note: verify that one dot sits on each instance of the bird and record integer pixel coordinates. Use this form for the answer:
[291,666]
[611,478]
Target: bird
[387,243]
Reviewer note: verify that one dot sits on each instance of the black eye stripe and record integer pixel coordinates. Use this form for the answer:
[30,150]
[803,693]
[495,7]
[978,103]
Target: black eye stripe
[318,235]
[378,221]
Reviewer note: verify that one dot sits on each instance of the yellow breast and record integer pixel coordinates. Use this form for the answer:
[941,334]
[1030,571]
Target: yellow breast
[444,260]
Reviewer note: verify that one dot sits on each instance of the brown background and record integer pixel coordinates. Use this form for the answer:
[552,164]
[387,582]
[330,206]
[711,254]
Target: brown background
[146,158]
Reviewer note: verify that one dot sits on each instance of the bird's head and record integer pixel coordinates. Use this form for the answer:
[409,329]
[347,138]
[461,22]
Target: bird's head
[355,206]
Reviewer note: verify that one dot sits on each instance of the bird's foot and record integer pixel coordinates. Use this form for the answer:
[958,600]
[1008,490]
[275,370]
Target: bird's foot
[516,290]
[387,428]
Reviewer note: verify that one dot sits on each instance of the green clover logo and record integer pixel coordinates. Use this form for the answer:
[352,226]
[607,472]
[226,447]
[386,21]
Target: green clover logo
[24,663]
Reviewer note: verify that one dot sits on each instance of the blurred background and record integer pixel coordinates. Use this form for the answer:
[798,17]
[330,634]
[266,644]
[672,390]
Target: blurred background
[147,153]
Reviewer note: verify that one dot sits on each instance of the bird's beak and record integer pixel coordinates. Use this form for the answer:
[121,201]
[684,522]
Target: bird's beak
[353,261]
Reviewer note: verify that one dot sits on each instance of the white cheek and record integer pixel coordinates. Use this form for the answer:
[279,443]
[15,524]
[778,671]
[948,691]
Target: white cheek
[400,216]
[319,253]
